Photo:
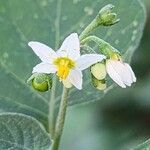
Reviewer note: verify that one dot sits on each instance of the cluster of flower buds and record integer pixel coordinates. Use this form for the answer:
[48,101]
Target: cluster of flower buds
[40,82]
[106,17]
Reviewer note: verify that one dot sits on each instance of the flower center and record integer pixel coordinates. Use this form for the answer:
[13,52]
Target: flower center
[64,64]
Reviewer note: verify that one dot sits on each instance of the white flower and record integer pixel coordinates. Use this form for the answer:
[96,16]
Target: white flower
[120,72]
[66,62]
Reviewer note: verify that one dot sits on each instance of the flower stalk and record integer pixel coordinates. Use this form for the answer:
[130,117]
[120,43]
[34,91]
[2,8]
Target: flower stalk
[60,119]
[105,17]
[92,26]
[51,115]
[104,47]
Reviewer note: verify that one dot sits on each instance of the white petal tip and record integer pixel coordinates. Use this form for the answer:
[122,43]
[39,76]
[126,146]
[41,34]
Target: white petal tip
[30,43]
[33,43]
[135,79]
[33,71]
[75,34]
[79,88]
[123,87]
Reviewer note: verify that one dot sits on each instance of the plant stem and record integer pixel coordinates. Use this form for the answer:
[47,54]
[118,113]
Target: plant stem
[93,25]
[93,38]
[51,115]
[60,119]
[104,47]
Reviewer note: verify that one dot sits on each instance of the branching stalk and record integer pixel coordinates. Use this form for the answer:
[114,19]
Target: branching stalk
[104,47]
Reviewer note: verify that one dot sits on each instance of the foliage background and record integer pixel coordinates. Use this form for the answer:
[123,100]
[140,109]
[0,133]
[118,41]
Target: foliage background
[118,121]
[121,120]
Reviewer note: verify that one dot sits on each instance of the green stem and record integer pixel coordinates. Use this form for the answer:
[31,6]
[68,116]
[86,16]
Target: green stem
[51,115]
[60,119]
[105,17]
[93,25]
[95,39]
[104,47]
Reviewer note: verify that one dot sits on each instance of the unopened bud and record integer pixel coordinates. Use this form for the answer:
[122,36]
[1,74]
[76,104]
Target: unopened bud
[99,71]
[107,9]
[107,17]
[40,82]
[99,84]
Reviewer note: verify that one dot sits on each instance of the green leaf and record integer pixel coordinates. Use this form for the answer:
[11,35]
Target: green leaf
[21,132]
[143,146]
[50,21]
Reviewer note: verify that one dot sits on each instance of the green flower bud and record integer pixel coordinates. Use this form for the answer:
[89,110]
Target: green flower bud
[99,71]
[106,17]
[40,82]
[99,84]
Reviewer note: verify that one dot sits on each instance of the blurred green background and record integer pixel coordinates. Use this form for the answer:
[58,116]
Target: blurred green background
[121,120]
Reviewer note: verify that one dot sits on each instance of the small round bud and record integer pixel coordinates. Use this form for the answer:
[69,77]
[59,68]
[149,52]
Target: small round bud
[99,84]
[99,71]
[40,82]
[67,84]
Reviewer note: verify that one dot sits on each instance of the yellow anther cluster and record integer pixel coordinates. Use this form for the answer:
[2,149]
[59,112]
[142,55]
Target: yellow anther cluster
[64,65]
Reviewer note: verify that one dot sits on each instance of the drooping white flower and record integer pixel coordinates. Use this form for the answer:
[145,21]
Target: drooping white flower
[120,72]
[67,62]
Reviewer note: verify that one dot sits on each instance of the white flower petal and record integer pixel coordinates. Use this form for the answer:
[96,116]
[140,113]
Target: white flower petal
[113,73]
[45,53]
[44,68]
[131,71]
[88,60]
[75,77]
[127,76]
[123,71]
[70,47]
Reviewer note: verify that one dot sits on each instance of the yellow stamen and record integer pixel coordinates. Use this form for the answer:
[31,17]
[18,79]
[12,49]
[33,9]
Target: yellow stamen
[64,65]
